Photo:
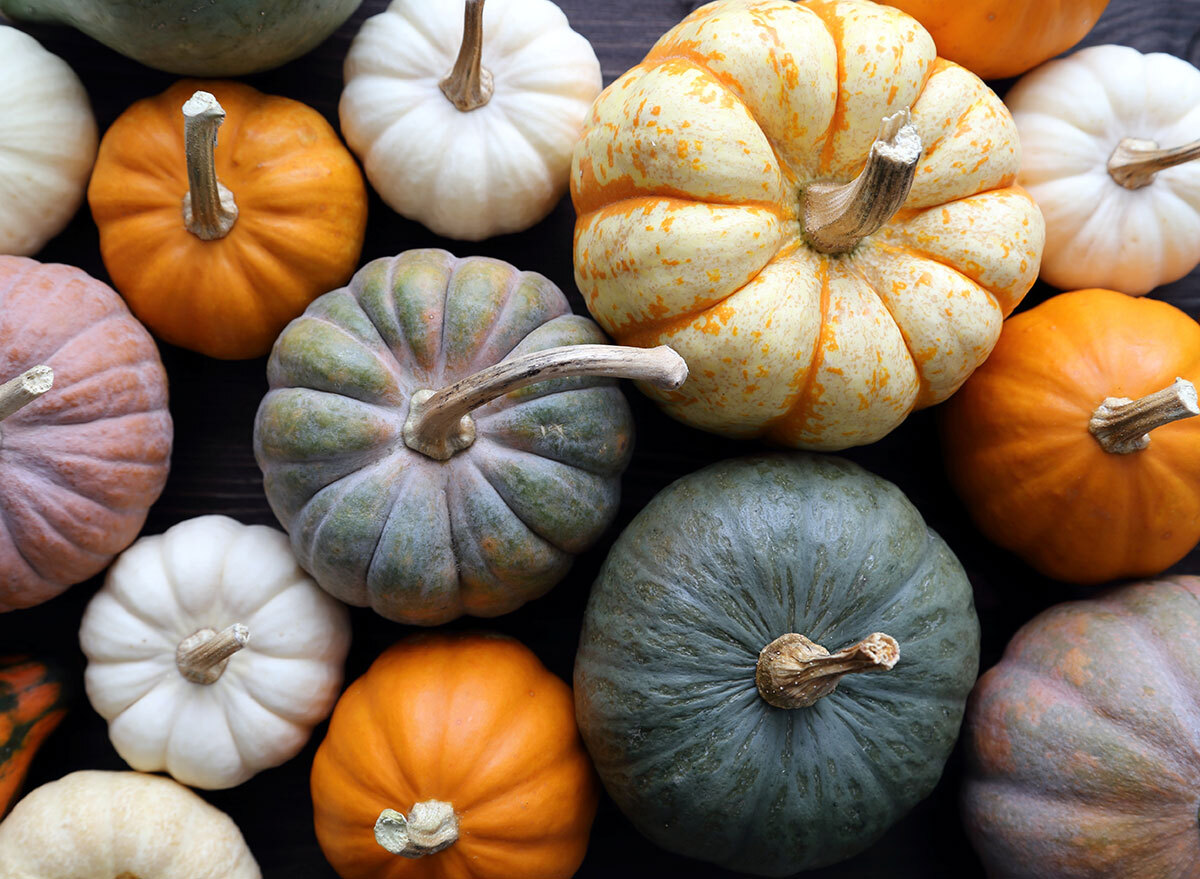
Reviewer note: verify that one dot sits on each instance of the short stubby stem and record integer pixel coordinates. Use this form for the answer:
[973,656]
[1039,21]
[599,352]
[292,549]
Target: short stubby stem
[202,656]
[1122,426]
[1135,161]
[839,215]
[439,423]
[794,672]
[209,210]
[469,85]
[430,827]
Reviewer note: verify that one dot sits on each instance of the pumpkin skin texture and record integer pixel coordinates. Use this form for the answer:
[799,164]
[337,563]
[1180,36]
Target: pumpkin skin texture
[81,465]
[481,725]
[47,145]
[1072,115]
[718,565]
[32,705]
[101,825]
[302,210]
[215,38]
[208,575]
[1001,38]
[1019,453]
[689,184]
[1081,742]
[423,541]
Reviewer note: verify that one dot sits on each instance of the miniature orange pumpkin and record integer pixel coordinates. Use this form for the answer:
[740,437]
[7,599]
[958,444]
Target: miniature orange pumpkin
[454,757]
[999,38]
[1073,446]
[216,249]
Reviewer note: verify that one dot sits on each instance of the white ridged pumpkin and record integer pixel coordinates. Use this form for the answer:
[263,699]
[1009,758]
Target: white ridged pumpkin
[47,143]
[211,653]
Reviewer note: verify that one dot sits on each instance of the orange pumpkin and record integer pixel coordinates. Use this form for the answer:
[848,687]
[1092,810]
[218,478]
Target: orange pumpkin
[31,706]
[1073,445]
[454,757]
[999,38]
[217,249]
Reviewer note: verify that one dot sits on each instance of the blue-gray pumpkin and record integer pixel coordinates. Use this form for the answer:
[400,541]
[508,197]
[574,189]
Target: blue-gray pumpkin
[442,435]
[705,686]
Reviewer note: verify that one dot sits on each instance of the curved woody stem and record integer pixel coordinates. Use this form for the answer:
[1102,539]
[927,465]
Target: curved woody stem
[430,827]
[1122,426]
[202,656]
[209,210]
[469,85]
[1135,161]
[794,672]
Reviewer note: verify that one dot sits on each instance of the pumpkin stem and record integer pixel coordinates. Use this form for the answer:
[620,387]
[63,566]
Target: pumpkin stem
[469,85]
[202,656]
[19,392]
[1135,161]
[839,215]
[209,211]
[1122,426]
[430,827]
[439,422]
[794,672]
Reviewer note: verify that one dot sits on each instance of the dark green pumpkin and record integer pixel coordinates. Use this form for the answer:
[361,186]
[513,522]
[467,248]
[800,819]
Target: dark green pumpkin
[423,540]
[718,566]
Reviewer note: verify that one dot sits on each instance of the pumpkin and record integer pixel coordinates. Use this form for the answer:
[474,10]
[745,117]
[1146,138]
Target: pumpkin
[215,249]
[1002,38]
[31,706]
[47,146]
[97,825]
[440,437]
[455,757]
[1121,212]
[214,38]
[735,203]
[774,662]
[465,121]
[1080,743]
[210,653]
[85,436]
[1064,446]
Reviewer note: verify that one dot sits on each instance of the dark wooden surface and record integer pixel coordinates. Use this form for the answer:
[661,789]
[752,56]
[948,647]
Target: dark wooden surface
[213,471]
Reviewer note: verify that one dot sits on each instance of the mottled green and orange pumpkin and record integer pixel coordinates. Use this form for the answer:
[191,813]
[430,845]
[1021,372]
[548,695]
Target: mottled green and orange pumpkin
[1082,743]
[31,706]
[442,435]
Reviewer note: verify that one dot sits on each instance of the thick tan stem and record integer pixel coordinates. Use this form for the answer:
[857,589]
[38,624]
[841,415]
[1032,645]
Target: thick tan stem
[202,656]
[839,215]
[1134,162]
[209,211]
[439,422]
[794,672]
[1123,426]
[431,826]
[19,392]
[469,85]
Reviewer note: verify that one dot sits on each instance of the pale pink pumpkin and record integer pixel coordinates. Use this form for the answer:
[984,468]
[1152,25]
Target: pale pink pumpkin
[81,464]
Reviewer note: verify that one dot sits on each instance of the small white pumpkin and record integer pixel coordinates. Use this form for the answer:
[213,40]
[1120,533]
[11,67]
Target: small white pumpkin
[1108,136]
[477,146]
[101,825]
[47,143]
[211,653]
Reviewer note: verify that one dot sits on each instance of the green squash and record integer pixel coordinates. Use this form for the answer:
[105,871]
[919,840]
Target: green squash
[441,438]
[698,627]
[196,37]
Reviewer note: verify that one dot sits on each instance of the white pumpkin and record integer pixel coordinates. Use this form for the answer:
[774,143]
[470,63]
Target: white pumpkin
[47,143]
[101,825]
[211,653]
[477,146]
[1107,139]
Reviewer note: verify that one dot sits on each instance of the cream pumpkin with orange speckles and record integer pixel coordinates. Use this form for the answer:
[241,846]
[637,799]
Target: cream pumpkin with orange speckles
[690,184]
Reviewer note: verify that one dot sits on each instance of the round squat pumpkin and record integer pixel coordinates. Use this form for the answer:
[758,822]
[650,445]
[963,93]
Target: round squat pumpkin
[813,209]
[454,757]
[443,435]
[774,663]
[1075,445]
[1081,743]
[85,435]
[216,243]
